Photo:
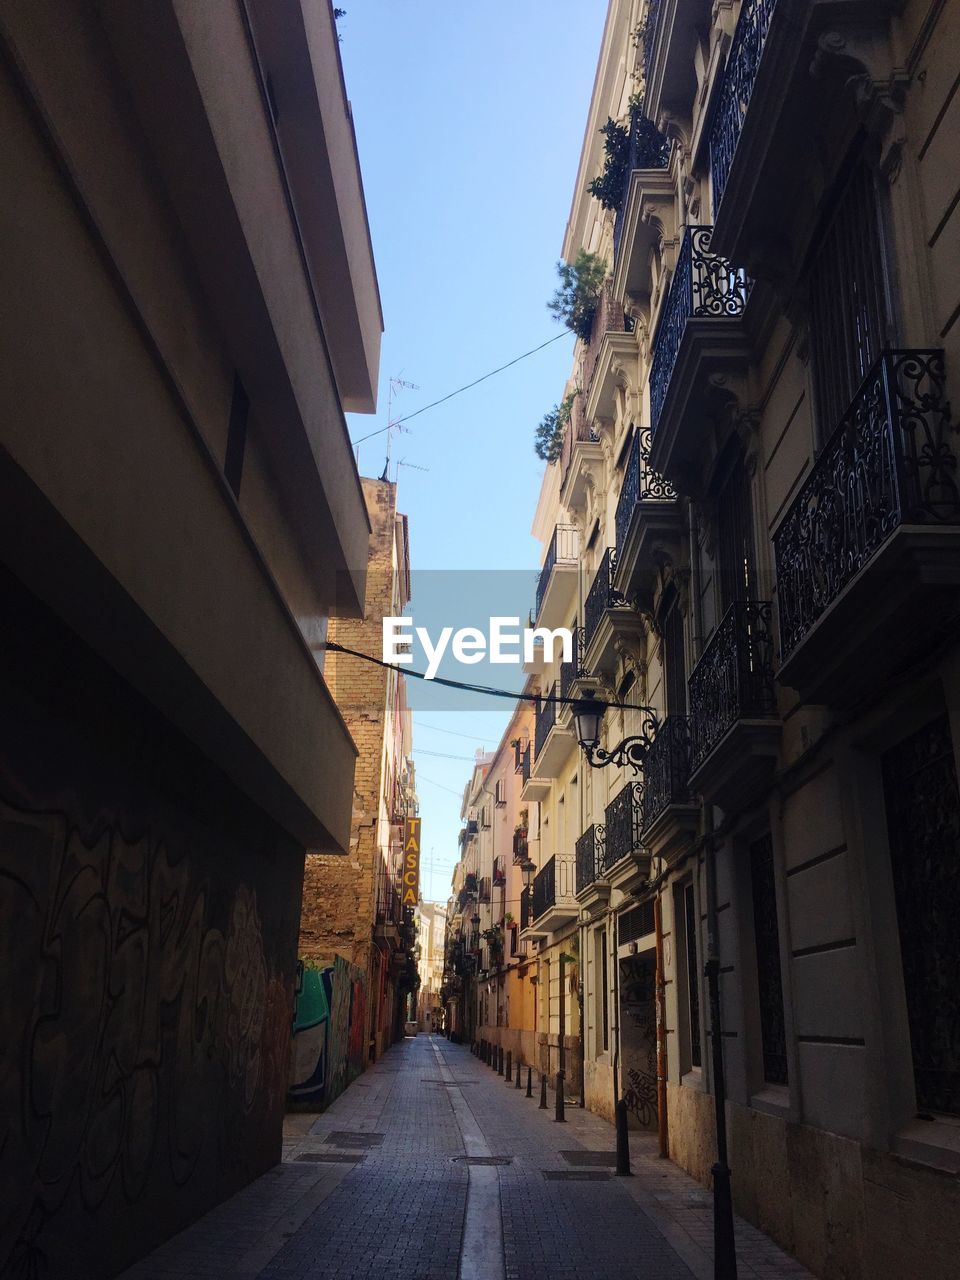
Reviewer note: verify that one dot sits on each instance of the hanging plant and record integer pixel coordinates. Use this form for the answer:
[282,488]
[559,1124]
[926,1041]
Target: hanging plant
[575,301]
[548,440]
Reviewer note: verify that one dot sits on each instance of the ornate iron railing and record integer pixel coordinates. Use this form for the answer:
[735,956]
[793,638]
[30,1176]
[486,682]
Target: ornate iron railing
[525,916]
[525,764]
[666,770]
[648,149]
[704,285]
[601,596]
[569,671]
[649,37]
[546,719]
[544,889]
[520,846]
[563,550]
[624,823]
[736,90]
[590,856]
[891,461]
[734,678]
[640,484]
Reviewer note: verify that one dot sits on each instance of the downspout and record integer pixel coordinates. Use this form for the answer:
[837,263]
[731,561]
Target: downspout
[661,1033]
[697,603]
[614,934]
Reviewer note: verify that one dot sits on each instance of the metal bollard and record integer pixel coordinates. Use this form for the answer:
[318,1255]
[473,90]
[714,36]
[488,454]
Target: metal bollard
[558,1114]
[623,1141]
[508,1070]
[543,1094]
[517,1085]
[499,1059]
[529,1082]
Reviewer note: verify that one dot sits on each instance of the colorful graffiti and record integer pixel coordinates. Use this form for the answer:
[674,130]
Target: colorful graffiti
[328,1031]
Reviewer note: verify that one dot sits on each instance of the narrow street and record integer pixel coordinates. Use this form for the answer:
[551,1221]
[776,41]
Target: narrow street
[381,1185]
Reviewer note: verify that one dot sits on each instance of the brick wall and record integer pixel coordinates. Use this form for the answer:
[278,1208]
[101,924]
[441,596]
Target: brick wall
[339,892]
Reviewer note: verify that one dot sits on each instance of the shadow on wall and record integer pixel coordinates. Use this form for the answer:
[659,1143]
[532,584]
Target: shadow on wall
[328,1032]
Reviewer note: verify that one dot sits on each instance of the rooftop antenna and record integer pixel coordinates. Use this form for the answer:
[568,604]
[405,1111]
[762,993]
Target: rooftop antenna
[393,424]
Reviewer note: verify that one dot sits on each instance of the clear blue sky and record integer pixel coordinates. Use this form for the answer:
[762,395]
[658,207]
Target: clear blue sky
[469,121]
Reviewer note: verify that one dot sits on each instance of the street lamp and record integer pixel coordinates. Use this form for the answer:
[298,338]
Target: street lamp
[588,716]
[528,870]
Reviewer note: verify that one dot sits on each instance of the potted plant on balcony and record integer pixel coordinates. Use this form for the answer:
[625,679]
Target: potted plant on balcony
[548,438]
[575,301]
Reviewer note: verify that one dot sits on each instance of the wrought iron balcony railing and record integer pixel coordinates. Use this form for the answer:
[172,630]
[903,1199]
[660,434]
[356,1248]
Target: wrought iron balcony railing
[704,285]
[525,764]
[734,678]
[590,856]
[525,916]
[650,34]
[546,719]
[736,90]
[666,770]
[640,484]
[601,596]
[544,889]
[624,823]
[648,149]
[890,462]
[563,550]
[569,671]
[520,846]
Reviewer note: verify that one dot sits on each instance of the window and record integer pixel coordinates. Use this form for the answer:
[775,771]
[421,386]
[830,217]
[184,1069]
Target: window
[923,821]
[602,972]
[766,931]
[735,560]
[693,973]
[500,793]
[236,437]
[849,316]
[674,661]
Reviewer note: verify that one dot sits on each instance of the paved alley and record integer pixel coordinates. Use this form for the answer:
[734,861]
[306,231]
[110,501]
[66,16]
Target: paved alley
[384,1184]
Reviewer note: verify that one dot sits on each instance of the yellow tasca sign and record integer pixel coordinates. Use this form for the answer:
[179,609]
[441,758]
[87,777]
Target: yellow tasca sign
[411,862]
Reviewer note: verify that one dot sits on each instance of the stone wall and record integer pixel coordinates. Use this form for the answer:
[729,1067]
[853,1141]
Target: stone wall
[340,892]
[148,929]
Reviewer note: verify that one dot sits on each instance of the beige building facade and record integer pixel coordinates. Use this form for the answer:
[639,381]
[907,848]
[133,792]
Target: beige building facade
[754,520]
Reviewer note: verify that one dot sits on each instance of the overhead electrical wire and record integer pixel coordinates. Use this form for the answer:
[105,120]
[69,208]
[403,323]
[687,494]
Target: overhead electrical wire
[460,390]
[559,698]
[454,733]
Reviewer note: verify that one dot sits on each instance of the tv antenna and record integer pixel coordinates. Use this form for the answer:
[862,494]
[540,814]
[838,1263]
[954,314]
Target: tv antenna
[396,384]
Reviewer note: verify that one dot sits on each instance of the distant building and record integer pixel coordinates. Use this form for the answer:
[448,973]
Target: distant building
[351,906]
[432,922]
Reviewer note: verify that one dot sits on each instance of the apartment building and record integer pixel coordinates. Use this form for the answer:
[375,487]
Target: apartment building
[431,920]
[352,906]
[754,521]
[188,306]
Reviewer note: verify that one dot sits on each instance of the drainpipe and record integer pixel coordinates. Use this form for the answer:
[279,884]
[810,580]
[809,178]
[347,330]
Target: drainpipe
[612,945]
[583,1030]
[697,603]
[661,1034]
[724,1247]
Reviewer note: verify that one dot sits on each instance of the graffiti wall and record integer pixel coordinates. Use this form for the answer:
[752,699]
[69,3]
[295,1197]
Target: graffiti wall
[148,925]
[329,1032]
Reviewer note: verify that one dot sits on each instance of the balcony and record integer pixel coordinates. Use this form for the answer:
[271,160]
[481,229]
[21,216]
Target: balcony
[672,33]
[521,847]
[648,150]
[647,516]
[590,864]
[733,709]
[389,913]
[553,902]
[557,586]
[552,740]
[868,554]
[627,862]
[700,333]
[607,614]
[669,812]
[778,90]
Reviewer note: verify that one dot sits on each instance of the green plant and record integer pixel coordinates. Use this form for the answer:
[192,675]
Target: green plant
[548,440]
[575,301]
[608,187]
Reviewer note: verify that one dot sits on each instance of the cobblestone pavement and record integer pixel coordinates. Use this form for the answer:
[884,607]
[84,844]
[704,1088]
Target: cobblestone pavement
[379,1186]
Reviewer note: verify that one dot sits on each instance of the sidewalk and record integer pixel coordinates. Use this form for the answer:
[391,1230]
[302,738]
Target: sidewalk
[379,1186]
